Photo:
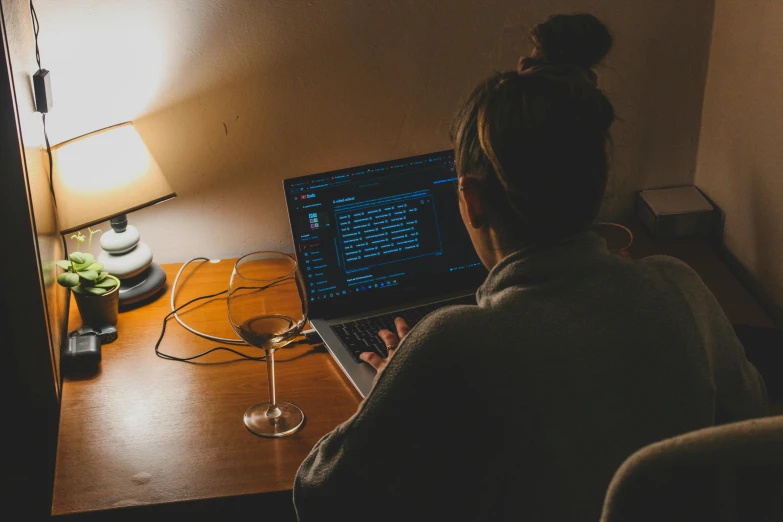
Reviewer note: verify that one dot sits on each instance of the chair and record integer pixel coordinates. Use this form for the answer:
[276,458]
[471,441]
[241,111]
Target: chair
[727,473]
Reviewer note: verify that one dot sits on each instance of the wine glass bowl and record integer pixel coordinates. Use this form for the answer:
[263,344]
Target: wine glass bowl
[268,309]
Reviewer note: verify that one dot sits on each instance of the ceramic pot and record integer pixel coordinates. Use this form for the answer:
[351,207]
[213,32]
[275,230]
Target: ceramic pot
[99,310]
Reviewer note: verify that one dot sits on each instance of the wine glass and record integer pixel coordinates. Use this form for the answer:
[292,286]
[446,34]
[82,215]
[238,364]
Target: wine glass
[267,307]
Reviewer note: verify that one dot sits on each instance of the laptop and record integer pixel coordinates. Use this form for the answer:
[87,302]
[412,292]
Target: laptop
[379,241]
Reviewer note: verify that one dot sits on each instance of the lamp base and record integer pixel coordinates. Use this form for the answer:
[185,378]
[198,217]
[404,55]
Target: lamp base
[143,286]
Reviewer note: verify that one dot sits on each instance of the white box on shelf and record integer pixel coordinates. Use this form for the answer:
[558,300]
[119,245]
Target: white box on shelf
[675,212]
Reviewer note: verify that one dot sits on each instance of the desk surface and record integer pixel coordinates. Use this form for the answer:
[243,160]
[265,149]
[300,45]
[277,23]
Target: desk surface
[149,431]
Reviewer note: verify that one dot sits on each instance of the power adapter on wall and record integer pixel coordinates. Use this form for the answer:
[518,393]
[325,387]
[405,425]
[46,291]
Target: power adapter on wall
[42,85]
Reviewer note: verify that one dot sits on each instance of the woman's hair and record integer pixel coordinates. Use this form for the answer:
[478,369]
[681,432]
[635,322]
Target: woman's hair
[538,136]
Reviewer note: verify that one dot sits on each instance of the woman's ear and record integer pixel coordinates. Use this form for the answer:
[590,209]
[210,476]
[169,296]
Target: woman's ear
[472,196]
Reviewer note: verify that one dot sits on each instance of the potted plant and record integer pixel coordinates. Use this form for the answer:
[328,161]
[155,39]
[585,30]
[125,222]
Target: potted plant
[95,290]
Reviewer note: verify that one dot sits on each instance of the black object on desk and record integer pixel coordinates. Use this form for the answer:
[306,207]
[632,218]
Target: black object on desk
[764,349]
[82,353]
[106,333]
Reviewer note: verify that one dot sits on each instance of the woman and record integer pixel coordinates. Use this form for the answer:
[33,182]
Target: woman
[522,408]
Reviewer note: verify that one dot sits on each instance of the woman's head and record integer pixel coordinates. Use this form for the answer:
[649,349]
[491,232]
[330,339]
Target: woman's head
[531,144]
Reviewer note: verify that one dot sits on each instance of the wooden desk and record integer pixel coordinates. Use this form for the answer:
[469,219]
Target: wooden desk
[149,432]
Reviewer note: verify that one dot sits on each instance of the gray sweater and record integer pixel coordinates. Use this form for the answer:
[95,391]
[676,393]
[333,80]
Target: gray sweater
[522,408]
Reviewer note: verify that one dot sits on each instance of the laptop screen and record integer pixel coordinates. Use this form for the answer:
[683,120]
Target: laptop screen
[379,234]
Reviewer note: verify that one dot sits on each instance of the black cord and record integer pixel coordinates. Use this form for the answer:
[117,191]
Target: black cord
[36,30]
[217,348]
[51,166]
[186,359]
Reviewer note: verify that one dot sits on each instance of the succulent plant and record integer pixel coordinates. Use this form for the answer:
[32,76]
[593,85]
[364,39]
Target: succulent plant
[82,274]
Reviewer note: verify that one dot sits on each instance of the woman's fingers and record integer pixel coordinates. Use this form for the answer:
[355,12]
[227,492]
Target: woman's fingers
[373,359]
[389,338]
[402,327]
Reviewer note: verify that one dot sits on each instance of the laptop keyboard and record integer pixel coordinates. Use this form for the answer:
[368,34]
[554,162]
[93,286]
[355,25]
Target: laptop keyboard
[362,335]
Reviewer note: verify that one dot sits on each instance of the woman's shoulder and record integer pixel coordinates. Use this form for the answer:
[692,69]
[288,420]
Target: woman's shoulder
[672,267]
[678,272]
[453,316]
[448,326]
[665,261]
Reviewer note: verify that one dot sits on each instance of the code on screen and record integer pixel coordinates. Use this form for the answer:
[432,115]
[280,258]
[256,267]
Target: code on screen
[388,230]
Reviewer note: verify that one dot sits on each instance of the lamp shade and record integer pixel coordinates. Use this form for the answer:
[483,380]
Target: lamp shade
[104,174]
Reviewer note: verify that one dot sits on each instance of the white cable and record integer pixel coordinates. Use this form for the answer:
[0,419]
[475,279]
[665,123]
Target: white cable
[176,316]
[630,234]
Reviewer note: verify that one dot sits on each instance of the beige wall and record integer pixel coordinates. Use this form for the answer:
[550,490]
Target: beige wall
[233,96]
[740,161]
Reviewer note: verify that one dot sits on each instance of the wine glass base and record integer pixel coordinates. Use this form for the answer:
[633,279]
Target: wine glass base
[287,422]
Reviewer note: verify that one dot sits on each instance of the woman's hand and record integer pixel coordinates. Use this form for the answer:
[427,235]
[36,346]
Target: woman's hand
[391,340]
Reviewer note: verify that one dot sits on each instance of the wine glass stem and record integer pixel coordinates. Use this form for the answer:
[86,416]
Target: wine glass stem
[273,410]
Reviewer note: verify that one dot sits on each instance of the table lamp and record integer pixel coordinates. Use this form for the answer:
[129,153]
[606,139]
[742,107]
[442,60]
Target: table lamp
[105,175]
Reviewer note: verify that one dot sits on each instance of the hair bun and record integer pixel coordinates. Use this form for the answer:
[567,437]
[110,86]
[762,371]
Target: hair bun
[575,39]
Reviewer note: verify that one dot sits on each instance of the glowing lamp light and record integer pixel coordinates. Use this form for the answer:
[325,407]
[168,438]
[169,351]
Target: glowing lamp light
[102,176]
